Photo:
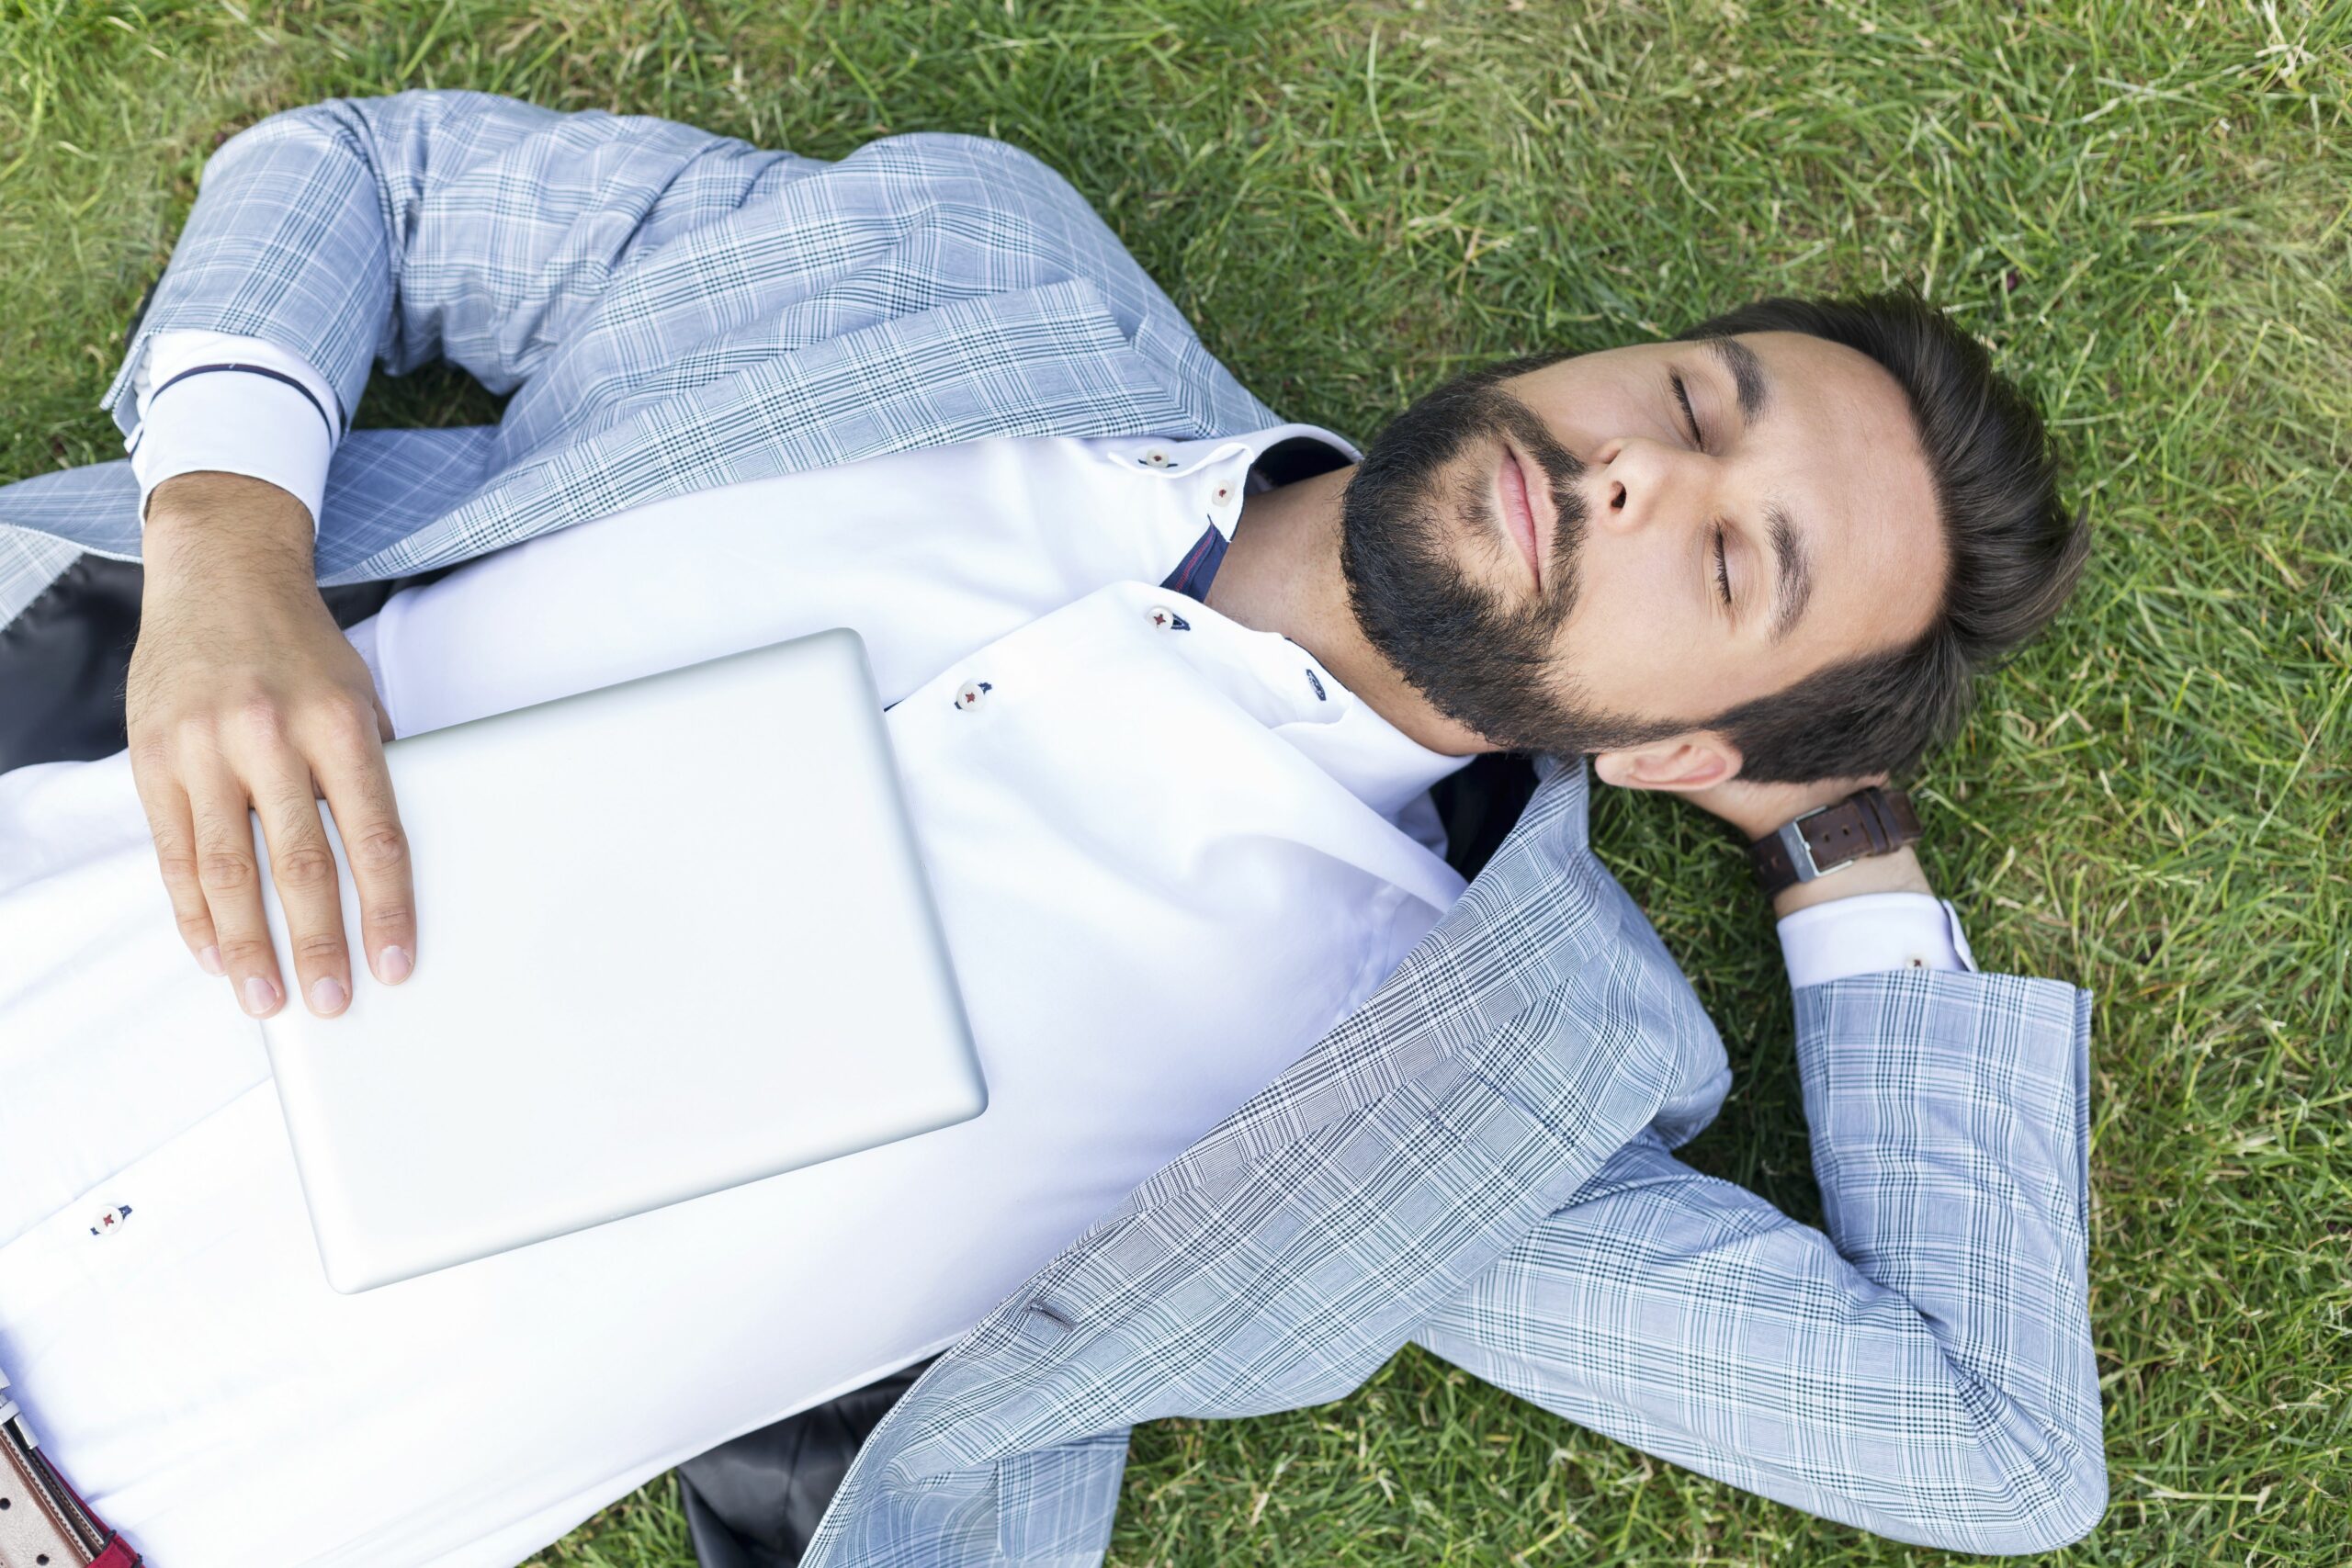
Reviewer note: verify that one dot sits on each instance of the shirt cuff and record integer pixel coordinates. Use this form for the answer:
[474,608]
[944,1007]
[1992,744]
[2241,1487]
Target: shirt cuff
[1871,932]
[212,400]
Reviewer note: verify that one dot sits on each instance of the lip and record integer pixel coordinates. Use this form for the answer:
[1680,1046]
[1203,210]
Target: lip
[1519,508]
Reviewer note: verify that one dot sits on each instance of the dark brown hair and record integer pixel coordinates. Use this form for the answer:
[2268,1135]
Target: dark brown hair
[2012,551]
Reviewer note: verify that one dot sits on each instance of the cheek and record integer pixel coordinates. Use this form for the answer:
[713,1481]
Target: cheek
[1635,645]
[1580,403]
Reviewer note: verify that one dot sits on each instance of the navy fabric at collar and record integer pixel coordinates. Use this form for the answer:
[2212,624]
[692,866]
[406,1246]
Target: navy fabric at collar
[1287,461]
[1194,572]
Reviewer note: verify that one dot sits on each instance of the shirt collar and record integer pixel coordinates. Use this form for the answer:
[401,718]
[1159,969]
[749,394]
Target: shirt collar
[1327,722]
[1357,746]
[1150,454]
[1377,763]
[1214,476]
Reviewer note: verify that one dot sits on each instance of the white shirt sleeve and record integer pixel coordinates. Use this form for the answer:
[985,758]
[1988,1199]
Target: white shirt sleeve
[1871,932]
[214,400]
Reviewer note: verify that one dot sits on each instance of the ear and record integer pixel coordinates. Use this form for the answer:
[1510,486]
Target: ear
[1682,763]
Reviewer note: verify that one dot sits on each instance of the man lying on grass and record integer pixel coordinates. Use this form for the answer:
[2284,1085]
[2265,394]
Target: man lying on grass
[1272,1093]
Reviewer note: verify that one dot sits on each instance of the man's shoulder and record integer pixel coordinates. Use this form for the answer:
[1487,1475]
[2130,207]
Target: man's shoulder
[1552,909]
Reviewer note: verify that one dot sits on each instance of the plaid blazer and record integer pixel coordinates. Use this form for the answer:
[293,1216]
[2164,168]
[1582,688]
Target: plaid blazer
[1479,1159]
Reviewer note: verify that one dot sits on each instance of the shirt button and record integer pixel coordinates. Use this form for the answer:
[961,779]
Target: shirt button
[1156,459]
[1224,492]
[1166,620]
[970,693]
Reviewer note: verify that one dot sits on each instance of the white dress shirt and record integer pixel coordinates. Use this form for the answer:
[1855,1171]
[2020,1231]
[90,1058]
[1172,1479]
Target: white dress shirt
[210,401]
[1169,852]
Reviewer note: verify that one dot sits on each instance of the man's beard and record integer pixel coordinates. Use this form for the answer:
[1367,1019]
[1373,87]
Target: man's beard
[1484,663]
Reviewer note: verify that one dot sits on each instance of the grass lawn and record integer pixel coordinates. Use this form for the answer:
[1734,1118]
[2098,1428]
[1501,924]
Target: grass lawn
[2144,210]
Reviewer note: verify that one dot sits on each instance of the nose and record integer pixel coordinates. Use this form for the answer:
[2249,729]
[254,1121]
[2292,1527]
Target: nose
[1637,483]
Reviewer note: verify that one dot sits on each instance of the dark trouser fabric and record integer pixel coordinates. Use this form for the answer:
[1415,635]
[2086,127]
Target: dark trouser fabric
[65,658]
[755,1502]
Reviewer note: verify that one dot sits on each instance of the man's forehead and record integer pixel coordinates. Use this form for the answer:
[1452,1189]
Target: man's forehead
[1836,447]
[1824,386]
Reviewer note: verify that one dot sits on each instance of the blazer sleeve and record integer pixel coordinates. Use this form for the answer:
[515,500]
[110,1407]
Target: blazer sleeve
[425,225]
[1925,1368]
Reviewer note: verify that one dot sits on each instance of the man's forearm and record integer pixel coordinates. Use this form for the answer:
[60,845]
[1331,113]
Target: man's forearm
[1755,810]
[1891,919]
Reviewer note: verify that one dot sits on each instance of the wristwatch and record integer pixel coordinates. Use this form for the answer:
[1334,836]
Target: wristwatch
[1874,821]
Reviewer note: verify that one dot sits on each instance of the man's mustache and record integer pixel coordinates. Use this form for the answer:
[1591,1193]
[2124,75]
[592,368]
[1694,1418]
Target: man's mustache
[1561,472]
[1561,469]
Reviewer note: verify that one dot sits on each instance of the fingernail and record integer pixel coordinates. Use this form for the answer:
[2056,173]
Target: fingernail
[327,994]
[260,995]
[210,959]
[392,964]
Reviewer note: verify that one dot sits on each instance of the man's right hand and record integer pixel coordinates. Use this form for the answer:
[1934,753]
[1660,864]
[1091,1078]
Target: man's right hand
[242,693]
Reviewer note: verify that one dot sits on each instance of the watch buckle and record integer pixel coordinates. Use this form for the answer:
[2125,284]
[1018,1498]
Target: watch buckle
[1799,849]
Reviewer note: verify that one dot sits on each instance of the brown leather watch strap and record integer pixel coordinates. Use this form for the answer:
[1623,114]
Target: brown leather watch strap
[1874,821]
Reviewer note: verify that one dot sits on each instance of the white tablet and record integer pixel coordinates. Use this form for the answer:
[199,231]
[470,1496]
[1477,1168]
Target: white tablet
[674,934]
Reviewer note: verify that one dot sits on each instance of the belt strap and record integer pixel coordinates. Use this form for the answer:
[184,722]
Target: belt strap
[43,1522]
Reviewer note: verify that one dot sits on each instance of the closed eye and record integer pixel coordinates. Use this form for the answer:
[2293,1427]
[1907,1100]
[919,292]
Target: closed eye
[1683,397]
[1723,571]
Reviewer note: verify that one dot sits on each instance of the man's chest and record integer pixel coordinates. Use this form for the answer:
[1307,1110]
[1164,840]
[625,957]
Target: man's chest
[1023,603]
[929,555]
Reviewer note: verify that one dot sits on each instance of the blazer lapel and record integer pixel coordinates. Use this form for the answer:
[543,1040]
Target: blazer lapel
[1490,958]
[1281,1258]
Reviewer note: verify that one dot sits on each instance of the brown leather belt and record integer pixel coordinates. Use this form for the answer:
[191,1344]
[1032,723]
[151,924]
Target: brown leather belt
[43,1524]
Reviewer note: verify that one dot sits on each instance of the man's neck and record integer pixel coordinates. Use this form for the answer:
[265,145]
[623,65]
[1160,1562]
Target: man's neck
[1282,574]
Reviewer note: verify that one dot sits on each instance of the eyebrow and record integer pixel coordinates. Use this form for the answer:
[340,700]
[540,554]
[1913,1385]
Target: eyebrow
[1746,373]
[1796,570]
